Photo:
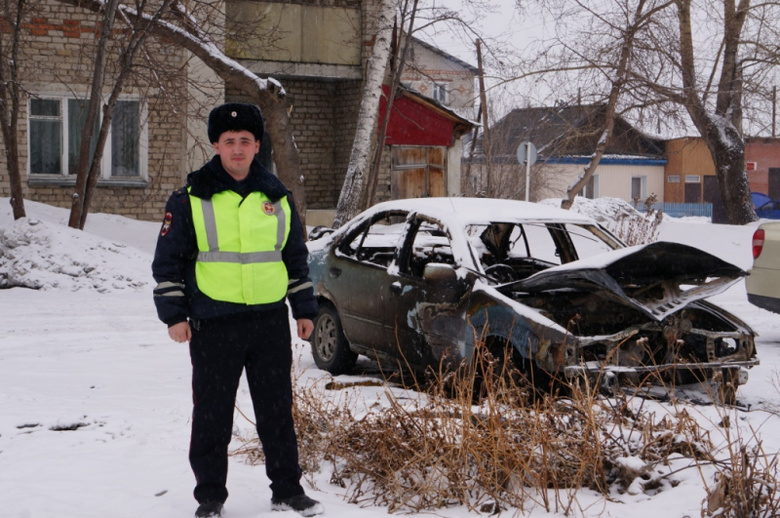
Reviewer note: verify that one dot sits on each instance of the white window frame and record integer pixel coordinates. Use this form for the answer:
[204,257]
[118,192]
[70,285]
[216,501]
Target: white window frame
[105,162]
[642,187]
[440,93]
[692,178]
[673,178]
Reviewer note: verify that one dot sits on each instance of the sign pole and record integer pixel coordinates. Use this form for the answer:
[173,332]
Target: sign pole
[526,154]
[528,171]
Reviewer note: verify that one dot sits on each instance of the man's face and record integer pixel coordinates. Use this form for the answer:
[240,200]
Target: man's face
[236,150]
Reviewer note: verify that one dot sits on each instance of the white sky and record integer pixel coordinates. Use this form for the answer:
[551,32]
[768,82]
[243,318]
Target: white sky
[514,31]
[500,23]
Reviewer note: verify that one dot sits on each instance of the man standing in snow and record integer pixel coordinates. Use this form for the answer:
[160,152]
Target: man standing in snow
[229,254]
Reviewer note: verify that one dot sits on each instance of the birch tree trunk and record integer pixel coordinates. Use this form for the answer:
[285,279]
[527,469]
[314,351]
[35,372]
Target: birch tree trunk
[360,159]
[395,83]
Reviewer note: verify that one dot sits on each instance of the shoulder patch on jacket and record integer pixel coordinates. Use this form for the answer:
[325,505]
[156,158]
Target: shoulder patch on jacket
[167,222]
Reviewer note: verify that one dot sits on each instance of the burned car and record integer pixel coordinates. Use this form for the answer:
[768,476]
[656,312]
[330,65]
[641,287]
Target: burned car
[422,282]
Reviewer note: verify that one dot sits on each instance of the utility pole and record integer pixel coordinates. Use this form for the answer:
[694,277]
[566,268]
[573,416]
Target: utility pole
[484,106]
[774,111]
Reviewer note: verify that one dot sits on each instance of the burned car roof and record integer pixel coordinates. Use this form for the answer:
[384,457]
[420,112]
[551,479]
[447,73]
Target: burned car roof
[479,210]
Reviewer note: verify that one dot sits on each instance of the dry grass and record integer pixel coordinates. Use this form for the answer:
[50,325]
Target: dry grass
[638,228]
[511,450]
[746,481]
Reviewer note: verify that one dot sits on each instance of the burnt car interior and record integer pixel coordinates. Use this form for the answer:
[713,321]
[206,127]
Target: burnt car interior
[511,252]
[376,240]
[507,251]
[642,312]
[429,242]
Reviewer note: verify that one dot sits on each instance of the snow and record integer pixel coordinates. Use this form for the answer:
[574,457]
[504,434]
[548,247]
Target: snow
[95,398]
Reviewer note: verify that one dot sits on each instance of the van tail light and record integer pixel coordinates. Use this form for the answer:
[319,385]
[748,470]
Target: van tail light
[758,242]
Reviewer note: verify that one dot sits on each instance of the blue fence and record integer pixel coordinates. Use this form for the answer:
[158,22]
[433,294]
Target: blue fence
[679,210]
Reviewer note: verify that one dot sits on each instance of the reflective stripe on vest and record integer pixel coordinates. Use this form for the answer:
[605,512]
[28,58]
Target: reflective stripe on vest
[240,243]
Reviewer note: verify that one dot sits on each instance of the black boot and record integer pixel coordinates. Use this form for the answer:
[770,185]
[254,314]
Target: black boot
[209,510]
[301,504]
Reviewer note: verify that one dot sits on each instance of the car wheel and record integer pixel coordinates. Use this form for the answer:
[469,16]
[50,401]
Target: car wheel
[329,346]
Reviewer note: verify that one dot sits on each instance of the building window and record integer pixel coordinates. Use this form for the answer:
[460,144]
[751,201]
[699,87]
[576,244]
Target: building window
[55,125]
[46,137]
[692,178]
[638,187]
[125,139]
[673,178]
[440,93]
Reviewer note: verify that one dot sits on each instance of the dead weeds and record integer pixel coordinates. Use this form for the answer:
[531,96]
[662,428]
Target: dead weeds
[441,448]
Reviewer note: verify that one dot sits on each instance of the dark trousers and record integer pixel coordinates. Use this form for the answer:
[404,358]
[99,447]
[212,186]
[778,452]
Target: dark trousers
[220,349]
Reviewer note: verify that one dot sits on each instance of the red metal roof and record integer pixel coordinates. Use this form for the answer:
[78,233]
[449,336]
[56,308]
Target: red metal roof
[415,123]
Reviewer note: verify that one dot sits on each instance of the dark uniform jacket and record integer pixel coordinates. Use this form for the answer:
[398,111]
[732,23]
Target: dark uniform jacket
[176,296]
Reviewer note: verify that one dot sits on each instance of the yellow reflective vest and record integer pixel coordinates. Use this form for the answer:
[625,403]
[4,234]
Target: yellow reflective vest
[240,243]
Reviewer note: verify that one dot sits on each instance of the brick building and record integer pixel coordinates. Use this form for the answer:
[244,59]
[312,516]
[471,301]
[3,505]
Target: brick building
[762,161]
[144,155]
[690,171]
[317,51]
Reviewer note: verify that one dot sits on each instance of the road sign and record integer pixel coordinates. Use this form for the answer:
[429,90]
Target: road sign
[526,152]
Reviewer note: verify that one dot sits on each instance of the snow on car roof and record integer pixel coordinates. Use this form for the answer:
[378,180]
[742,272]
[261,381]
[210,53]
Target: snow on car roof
[483,210]
[461,211]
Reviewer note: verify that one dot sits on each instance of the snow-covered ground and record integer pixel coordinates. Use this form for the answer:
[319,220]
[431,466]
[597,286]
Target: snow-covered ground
[95,399]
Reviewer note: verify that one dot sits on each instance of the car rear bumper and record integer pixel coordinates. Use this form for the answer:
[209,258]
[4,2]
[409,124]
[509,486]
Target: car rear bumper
[770,303]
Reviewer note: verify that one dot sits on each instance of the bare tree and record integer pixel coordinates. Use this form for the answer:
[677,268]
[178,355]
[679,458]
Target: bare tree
[720,128]
[10,95]
[399,53]
[88,168]
[78,198]
[413,18]
[670,71]
[635,22]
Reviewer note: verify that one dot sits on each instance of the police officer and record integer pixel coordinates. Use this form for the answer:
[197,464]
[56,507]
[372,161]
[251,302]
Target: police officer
[229,255]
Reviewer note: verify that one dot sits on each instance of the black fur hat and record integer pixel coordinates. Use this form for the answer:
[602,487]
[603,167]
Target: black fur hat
[235,117]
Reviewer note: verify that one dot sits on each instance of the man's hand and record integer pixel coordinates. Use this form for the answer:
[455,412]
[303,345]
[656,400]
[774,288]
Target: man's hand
[180,332]
[305,327]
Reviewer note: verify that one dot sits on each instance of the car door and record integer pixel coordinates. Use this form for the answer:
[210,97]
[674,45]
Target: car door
[358,280]
[428,319]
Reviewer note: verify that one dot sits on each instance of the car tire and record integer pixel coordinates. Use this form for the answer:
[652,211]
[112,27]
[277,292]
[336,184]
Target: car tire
[329,346]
